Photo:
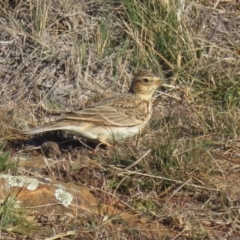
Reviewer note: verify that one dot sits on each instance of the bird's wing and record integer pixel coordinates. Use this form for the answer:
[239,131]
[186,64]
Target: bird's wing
[122,111]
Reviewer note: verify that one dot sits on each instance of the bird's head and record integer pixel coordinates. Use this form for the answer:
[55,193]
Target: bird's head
[145,83]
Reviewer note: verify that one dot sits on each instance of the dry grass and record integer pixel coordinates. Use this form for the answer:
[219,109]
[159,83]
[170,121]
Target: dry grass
[63,55]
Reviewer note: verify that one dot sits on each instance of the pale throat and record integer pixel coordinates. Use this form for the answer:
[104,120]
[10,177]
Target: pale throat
[146,95]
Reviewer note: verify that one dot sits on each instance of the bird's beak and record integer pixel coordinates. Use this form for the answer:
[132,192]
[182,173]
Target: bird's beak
[158,81]
[161,82]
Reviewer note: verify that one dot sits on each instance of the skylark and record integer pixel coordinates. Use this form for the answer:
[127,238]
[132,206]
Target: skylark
[112,119]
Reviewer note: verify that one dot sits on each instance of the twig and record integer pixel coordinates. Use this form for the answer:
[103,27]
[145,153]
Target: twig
[130,166]
[167,179]
[60,235]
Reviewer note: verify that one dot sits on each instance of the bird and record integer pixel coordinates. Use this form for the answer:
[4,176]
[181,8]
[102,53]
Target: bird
[113,119]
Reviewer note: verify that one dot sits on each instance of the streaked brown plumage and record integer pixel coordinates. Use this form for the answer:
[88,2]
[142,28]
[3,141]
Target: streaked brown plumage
[112,119]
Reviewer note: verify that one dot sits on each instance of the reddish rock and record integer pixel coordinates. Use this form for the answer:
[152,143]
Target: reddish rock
[46,194]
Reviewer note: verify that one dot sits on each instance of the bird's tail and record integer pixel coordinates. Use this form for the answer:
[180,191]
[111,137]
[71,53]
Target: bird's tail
[46,128]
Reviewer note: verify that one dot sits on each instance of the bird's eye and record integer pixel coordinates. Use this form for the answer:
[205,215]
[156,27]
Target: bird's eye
[145,80]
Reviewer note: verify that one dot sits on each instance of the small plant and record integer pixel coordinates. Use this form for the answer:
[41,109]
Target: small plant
[4,157]
[13,219]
